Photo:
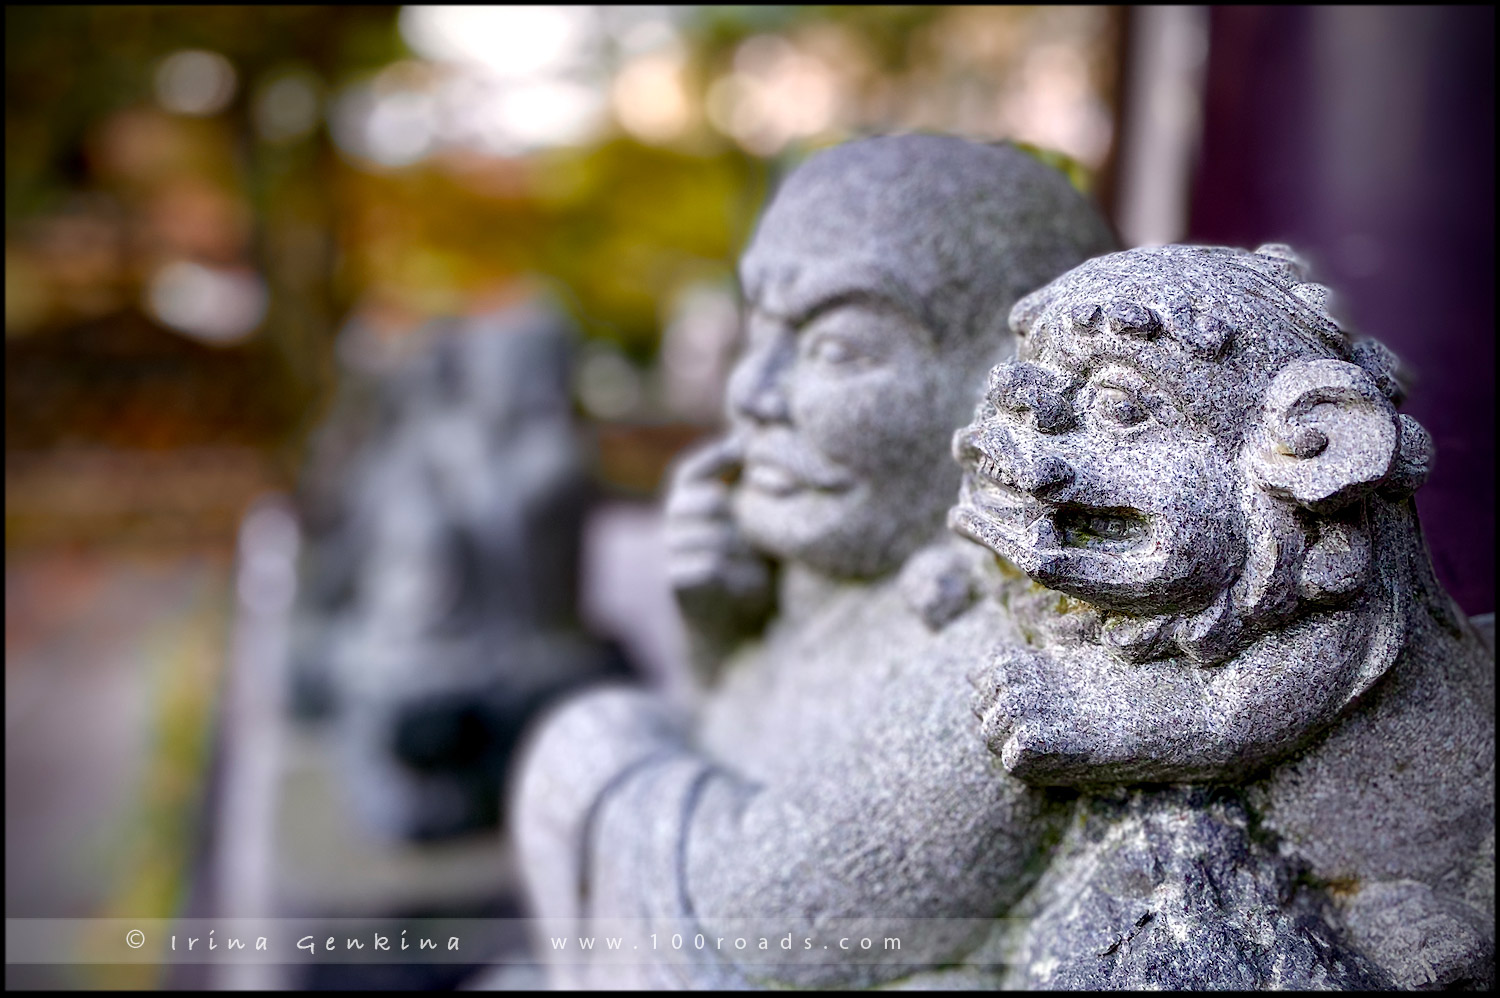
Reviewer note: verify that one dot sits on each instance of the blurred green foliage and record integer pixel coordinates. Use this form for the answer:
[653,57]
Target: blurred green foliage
[613,257]
[104,187]
[617,225]
[1078,174]
[68,68]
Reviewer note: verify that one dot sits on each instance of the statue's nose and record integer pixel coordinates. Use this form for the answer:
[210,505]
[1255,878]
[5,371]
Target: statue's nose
[757,387]
[1026,469]
[1043,477]
[1021,388]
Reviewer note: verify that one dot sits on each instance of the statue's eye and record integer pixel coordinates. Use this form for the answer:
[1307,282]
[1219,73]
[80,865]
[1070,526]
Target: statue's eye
[1117,406]
[829,349]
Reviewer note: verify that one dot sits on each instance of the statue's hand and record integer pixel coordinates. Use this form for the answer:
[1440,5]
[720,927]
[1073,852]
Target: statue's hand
[724,587]
[1010,699]
[1072,716]
[1049,715]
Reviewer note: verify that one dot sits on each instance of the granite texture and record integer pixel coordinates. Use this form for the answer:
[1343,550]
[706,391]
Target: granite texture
[831,768]
[1176,889]
[1199,489]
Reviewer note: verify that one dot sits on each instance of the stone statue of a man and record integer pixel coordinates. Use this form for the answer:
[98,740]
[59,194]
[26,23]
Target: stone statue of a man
[831,772]
[1208,487]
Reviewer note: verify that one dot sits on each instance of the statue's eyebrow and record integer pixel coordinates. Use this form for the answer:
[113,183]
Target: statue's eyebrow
[861,288]
[854,296]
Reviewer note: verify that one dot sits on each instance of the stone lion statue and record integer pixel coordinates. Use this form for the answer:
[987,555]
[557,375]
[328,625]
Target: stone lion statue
[1200,492]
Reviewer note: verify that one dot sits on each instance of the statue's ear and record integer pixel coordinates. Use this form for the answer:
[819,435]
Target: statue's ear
[1328,435]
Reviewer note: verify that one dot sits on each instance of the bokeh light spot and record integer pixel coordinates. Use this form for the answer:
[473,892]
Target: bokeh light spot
[513,41]
[286,108]
[212,304]
[195,82]
[649,97]
[608,384]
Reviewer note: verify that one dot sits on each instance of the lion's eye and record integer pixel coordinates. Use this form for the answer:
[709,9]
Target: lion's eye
[1117,406]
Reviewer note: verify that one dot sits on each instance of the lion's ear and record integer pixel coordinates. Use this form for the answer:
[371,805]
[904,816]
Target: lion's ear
[1328,435]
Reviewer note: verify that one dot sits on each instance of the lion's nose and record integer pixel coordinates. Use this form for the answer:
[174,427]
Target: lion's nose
[996,451]
[1044,476]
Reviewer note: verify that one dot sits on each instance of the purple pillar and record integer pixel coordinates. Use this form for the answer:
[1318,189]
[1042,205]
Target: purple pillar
[1365,138]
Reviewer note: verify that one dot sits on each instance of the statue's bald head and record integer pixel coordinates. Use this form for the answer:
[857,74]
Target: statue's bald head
[960,229]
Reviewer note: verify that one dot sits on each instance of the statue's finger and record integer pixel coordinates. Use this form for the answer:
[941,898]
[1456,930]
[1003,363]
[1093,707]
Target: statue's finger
[701,499]
[720,459]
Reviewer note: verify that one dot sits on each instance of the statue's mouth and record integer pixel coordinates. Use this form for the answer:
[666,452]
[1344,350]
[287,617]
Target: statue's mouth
[777,468]
[771,479]
[1115,529]
[1034,533]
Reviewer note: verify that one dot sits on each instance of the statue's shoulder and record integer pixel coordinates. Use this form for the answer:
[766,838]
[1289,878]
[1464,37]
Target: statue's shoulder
[945,581]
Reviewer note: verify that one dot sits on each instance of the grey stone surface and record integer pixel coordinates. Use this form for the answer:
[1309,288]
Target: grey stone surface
[831,769]
[1174,889]
[1484,626]
[1208,489]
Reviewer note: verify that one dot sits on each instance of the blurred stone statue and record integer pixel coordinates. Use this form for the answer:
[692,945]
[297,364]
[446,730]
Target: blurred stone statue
[454,568]
[1208,488]
[831,771]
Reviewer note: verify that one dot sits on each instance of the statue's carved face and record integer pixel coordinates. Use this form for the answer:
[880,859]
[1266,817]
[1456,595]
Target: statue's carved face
[843,399]
[1194,453]
[1087,470]
[876,288]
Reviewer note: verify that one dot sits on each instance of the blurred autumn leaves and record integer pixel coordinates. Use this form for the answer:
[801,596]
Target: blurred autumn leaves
[199,198]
